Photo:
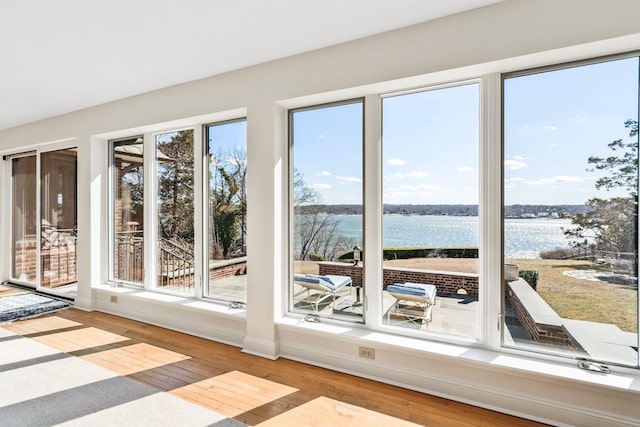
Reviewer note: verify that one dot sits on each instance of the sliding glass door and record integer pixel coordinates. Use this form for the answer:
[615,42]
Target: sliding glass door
[44,220]
[24,217]
[58,218]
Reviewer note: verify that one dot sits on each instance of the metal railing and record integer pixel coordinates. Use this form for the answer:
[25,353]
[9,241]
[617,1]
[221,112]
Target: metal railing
[129,256]
[176,266]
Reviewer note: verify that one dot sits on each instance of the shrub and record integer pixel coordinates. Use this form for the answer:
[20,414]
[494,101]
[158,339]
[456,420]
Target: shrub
[531,277]
[407,253]
[559,253]
[316,257]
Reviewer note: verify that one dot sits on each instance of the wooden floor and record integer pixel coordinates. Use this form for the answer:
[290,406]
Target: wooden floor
[250,389]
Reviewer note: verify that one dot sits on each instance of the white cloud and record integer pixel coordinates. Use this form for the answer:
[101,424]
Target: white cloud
[465,169]
[320,186]
[396,162]
[418,174]
[513,164]
[325,173]
[556,180]
[418,187]
[414,174]
[516,179]
[322,136]
[550,127]
[579,118]
[554,145]
[349,179]
[518,157]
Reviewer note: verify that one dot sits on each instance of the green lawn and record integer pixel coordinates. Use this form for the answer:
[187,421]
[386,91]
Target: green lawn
[582,299]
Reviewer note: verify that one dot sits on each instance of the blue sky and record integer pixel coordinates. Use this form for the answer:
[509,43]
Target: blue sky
[226,138]
[553,122]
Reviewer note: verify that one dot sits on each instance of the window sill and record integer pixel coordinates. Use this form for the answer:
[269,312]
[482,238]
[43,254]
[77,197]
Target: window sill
[188,303]
[565,370]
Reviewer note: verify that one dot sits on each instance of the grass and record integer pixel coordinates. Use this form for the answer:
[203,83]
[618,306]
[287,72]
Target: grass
[570,297]
[581,299]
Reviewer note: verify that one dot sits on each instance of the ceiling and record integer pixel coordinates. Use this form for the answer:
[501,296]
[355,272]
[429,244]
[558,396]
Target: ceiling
[65,55]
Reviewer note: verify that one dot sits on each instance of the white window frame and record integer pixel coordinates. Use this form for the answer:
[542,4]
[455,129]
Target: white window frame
[150,232]
[204,205]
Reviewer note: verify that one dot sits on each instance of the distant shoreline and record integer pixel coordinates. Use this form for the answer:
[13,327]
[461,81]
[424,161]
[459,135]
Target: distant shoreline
[510,211]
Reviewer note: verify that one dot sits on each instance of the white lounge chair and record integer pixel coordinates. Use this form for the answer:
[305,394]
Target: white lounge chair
[414,301]
[325,286]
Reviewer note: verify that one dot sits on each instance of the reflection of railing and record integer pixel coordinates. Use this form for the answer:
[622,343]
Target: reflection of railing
[176,265]
[58,254]
[129,256]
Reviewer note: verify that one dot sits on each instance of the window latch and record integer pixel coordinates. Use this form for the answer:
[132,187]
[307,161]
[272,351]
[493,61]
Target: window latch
[593,367]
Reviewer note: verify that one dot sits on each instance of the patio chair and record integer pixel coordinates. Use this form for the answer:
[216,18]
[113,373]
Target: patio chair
[326,286]
[414,301]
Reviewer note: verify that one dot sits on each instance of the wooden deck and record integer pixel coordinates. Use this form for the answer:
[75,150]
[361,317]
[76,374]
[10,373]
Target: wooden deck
[250,389]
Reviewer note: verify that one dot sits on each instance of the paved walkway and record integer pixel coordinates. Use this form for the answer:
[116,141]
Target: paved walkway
[603,276]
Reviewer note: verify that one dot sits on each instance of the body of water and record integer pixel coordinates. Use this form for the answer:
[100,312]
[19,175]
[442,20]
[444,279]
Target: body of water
[524,238]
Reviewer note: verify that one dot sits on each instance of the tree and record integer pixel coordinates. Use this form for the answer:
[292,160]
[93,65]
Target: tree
[316,231]
[175,186]
[611,223]
[228,201]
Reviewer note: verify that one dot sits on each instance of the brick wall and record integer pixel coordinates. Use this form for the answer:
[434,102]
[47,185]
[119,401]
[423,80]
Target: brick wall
[447,283]
[233,267]
[555,335]
[25,260]
[58,264]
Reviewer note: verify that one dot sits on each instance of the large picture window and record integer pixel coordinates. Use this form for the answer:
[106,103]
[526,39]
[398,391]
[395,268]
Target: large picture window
[571,211]
[430,232]
[227,210]
[327,220]
[127,161]
[175,211]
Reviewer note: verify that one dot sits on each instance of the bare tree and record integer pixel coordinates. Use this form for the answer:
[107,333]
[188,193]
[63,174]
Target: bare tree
[316,231]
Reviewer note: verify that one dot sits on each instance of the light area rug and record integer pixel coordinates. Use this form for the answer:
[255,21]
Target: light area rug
[42,386]
[27,305]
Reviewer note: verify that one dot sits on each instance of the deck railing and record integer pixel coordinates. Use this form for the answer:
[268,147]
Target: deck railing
[176,266]
[129,256]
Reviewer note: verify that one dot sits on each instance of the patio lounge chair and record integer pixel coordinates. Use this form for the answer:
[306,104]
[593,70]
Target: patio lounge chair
[414,301]
[326,286]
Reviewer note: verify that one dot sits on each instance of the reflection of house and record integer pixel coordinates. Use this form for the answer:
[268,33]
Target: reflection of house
[475,44]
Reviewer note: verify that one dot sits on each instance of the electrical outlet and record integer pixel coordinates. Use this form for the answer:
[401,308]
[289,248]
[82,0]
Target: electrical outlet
[114,299]
[367,353]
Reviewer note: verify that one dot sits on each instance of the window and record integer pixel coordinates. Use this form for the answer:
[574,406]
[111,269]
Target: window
[127,160]
[164,188]
[227,210]
[571,211]
[171,158]
[430,210]
[175,211]
[327,219]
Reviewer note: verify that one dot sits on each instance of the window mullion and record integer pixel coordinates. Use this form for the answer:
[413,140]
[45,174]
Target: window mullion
[490,210]
[199,208]
[150,214]
[372,205]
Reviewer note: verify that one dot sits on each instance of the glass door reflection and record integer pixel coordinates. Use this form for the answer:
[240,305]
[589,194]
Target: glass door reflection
[59,219]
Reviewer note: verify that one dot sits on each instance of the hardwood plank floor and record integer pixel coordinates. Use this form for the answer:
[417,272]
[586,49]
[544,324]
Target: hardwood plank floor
[250,389]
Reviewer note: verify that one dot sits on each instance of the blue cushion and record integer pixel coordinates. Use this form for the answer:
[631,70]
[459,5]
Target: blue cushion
[417,289]
[329,281]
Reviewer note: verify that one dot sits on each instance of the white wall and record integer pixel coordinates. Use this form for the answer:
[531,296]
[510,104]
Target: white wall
[502,37]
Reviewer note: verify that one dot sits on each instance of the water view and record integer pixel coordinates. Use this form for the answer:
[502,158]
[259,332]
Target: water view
[524,238]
